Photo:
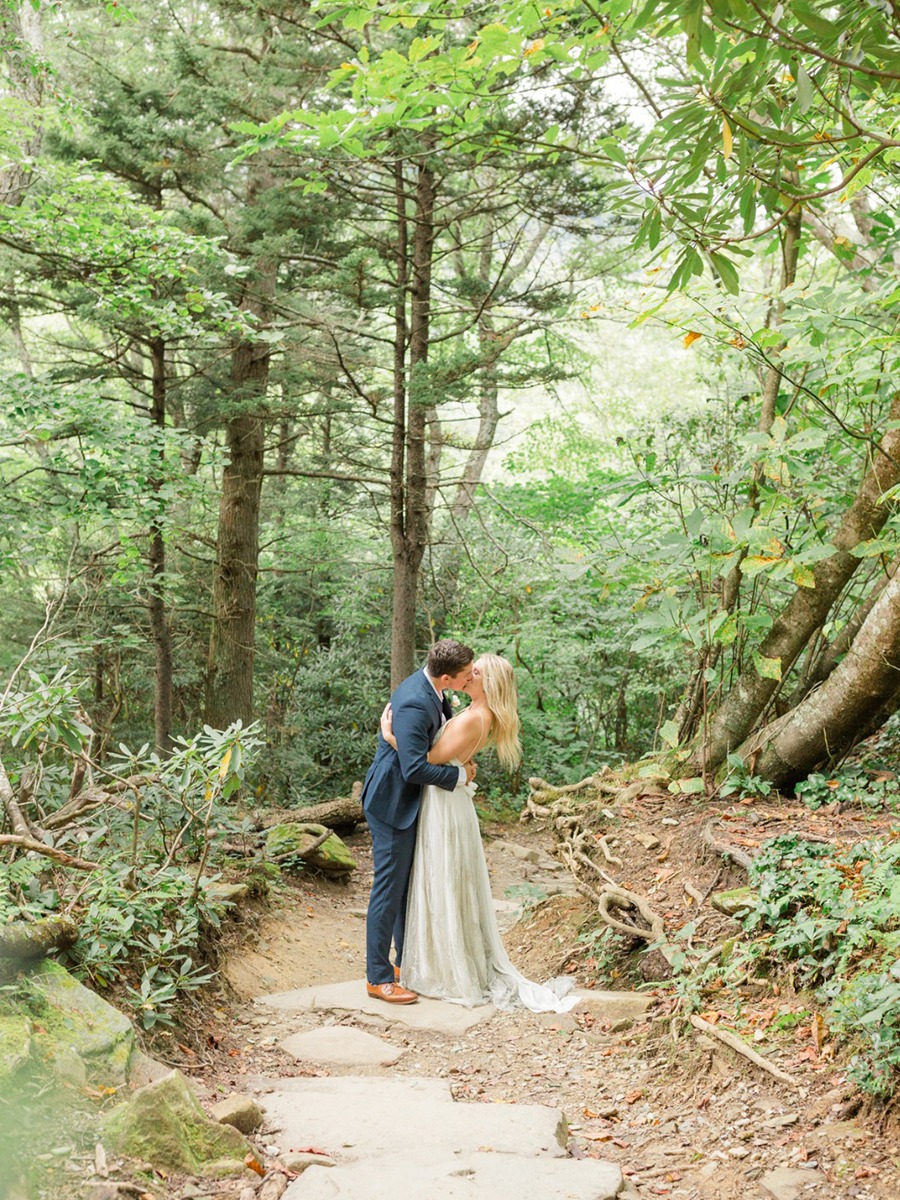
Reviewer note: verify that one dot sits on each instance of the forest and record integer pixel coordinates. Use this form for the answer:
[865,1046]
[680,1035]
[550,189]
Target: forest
[327,330]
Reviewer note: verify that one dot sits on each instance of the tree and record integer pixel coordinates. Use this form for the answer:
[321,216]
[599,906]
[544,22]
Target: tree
[465,192]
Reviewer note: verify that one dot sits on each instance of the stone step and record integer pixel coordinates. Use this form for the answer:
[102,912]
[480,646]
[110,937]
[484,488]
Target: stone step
[353,1118]
[478,1176]
[432,1015]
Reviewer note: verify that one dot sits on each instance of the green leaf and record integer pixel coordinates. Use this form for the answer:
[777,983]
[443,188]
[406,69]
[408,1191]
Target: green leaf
[726,271]
[669,733]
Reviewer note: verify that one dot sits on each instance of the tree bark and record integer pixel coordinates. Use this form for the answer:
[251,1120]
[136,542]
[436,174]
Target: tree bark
[409,516]
[22,39]
[159,622]
[833,718]
[808,607]
[232,648]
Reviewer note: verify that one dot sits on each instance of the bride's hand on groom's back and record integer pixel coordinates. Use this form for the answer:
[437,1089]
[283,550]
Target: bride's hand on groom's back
[387,725]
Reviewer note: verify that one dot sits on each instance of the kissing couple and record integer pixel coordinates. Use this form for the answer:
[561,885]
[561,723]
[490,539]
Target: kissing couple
[431,891]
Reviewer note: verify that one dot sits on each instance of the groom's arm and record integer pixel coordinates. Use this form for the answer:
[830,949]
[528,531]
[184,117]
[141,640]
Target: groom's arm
[411,732]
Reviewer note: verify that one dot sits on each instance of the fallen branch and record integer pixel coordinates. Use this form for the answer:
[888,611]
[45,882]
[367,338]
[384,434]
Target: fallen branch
[307,850]
[726,849]
[60,856]
[35,940]
[740,1047]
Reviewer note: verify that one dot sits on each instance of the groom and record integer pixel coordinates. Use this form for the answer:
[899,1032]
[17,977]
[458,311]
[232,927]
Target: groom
[390,798]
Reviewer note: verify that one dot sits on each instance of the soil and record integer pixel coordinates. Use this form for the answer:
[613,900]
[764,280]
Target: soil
[683,1115]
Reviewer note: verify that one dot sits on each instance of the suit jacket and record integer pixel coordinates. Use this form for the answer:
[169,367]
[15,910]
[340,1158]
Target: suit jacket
[393,785]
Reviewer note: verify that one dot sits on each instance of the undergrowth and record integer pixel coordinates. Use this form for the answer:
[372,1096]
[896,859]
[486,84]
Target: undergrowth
[834,915]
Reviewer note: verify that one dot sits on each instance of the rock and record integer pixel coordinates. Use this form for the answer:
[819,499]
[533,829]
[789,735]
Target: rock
[840,1131]
[163,1124]
[562,1022]
[241,1112]
[342,1046]
[781,1121]
[648,840]
[273,1187]
[143,1069]
[294,838]
[449,1019]
[522,853]
[613,1006]
[474,1176]
[298,1161]
[736,903]
[788,1183]
[77,1035]
[226,893]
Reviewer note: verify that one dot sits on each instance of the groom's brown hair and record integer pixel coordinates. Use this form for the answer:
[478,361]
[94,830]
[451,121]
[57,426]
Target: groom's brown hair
[448,657]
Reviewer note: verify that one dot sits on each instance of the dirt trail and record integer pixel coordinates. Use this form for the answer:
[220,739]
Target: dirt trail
[684,1118]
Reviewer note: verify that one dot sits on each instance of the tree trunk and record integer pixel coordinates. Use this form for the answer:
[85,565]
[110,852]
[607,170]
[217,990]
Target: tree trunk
[229,686]
[409,481]
[159,622]
[833,718]
[22,42]
[808,607]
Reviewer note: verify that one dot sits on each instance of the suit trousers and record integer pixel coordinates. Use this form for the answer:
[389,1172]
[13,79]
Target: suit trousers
[392,856]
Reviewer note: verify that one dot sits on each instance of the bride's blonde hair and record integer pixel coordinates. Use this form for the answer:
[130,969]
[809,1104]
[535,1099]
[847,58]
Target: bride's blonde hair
[501,697]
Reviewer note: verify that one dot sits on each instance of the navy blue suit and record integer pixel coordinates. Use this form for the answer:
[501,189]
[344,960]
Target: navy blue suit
[391,796]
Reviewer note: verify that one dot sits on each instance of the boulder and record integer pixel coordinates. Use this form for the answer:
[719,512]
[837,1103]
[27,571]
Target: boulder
[735,903]
[295,839]
[76,1035]
[241,1112]
[164,1125]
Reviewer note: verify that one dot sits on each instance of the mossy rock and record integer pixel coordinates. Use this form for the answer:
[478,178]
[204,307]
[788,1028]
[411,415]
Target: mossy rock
[15,1052]
[78,1036]
[164,1125]
[736,903]
[295,839]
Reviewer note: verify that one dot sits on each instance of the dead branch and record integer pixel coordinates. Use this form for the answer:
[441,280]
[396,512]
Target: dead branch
[307,850]
[22,939]
[740,1047]
[95,797]
[60,856]
[726,849]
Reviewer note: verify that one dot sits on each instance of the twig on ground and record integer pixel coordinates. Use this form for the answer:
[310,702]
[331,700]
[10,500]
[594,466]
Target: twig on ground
[740,1047]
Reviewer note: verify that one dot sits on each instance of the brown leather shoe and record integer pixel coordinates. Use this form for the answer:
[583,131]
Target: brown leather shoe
[396,973]
[393,993]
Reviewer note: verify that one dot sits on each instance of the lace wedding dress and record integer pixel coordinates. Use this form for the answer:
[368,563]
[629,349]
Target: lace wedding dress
[452,948]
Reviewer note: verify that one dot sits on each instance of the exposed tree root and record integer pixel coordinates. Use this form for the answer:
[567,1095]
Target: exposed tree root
[725,848]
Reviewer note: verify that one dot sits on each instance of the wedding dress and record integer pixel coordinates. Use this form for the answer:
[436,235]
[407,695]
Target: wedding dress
[452,948]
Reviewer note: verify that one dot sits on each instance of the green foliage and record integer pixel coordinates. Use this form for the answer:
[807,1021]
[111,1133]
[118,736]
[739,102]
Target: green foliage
[835,915]
[856,786]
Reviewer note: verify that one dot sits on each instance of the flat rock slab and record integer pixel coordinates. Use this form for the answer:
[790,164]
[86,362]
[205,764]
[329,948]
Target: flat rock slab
[789,1183]
[469,1177]
[613,1006]
[357,1118]
[341,1046]
[433,1015]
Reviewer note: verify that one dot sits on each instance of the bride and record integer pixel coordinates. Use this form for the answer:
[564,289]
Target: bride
[452,949]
